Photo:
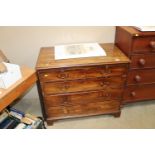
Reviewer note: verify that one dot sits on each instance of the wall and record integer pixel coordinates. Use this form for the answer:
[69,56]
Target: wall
[22,44]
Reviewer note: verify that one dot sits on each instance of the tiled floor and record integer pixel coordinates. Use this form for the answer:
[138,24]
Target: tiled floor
[140,115]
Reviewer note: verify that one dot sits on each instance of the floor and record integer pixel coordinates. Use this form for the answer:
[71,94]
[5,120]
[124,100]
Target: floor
[138,116]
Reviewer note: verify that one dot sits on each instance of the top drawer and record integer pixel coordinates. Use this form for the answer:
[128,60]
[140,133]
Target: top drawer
[81,73]
[143,44]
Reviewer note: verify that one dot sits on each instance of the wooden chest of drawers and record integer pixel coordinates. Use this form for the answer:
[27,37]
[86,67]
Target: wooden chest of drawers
[140,48]
[83,86]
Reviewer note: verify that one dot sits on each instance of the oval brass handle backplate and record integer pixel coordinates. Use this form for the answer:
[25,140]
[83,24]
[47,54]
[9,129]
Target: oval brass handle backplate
[62,75]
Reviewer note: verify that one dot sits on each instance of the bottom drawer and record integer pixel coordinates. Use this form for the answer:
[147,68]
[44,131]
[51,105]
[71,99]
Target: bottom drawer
[106,107]
[139,93]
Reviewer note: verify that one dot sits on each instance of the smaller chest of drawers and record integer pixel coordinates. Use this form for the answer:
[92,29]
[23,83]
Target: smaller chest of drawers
[82,86]
[140,48]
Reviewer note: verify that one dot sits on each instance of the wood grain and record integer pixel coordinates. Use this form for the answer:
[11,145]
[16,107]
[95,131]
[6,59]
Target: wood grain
[114,56]
[82,86]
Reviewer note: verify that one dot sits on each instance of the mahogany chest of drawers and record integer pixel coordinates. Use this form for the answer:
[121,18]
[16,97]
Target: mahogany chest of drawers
[140,48]
[82,86]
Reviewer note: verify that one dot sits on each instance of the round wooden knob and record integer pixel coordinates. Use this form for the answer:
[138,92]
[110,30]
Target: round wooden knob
[142,62]
[133,94]
[137,78]
[152,44]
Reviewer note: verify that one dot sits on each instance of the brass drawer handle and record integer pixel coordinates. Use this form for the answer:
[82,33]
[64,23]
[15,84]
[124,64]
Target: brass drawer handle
[105,95]
[66,104]
[103,72]
[137,78]
[65,87]
[142,62]
[62,76]
[104,84]
[108,95]
[109,71]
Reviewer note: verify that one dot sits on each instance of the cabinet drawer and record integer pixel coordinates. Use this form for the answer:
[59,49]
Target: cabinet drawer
[84,110]
[144,76]
[143,44]
[82,85]
[143,61]
[81,73]
[82,98]
[139,93]
[70,74]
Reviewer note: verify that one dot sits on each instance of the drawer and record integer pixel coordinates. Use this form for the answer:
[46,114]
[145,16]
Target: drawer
[144,76]
[81,73]
[143,61]
[82,98]
[84,110]
[143,45]
[82,85]
[139,93]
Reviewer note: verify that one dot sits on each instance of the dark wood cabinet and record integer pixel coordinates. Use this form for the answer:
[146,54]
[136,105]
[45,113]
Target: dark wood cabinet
[140,48]
[83,86]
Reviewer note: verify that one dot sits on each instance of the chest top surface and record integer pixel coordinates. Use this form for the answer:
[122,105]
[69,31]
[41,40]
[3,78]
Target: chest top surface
[46,58]
[135,32]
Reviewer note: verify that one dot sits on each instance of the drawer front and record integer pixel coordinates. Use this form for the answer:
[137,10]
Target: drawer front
[84,110]
[144,76]
[143,61]
[82,85]
[81,73]
[143,45]
[70,74]
[139,93]
[82,98]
